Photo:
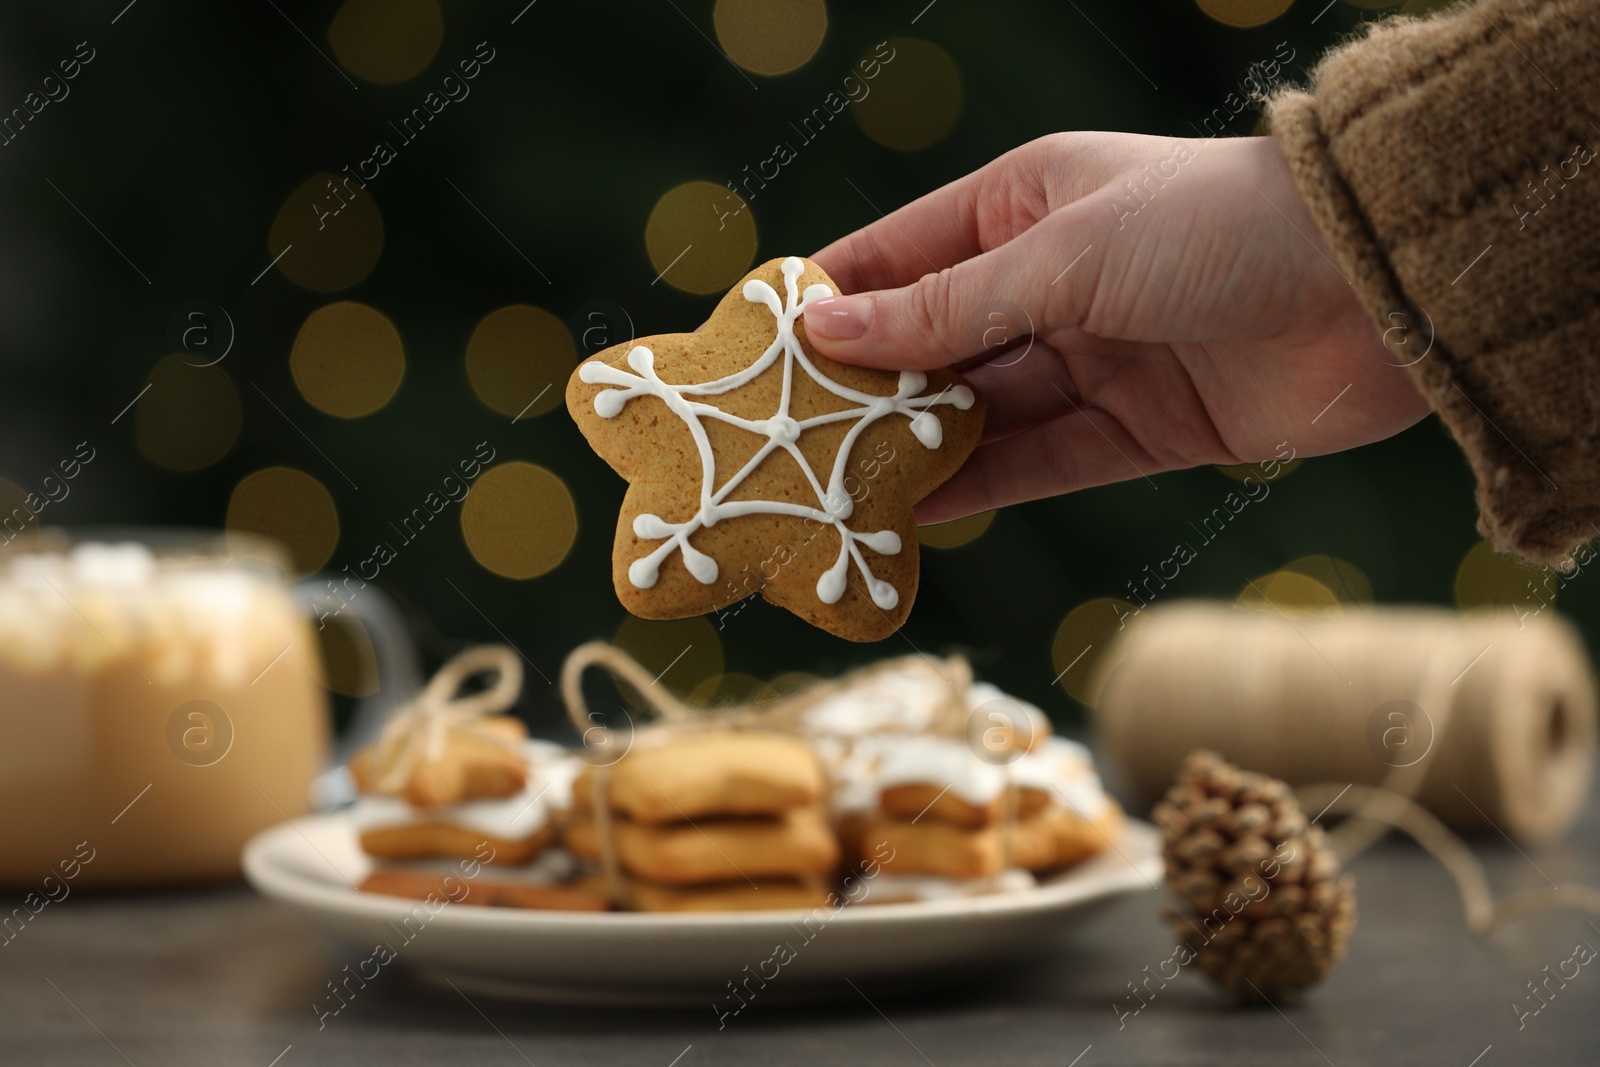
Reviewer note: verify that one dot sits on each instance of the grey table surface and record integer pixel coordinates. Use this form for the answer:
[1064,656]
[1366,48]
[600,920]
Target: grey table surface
[222,976]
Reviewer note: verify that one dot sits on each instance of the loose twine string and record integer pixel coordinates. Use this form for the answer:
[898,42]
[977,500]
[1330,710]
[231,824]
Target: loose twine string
[1505,707]
[675,719]
[1484,914]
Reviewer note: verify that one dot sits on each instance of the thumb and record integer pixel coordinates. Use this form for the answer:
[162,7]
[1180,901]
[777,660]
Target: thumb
[1032,283]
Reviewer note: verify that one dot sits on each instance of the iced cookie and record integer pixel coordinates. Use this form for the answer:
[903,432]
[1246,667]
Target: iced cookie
[1059,771]
[756,465]
[986,792]
[939,778]
[507,830]
[1054,838]
[938,802]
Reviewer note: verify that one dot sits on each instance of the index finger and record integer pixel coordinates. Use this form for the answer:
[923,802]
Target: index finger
[937,230]
[974,214]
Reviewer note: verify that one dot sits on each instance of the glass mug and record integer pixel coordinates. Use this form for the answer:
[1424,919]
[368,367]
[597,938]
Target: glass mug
[161,700]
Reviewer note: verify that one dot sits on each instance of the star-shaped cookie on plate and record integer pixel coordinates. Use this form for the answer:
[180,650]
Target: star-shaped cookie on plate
[755,465]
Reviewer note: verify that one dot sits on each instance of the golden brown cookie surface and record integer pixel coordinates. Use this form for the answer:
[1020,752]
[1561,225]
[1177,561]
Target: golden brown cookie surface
[443,840]
[934,847]
[737,772]
[793,845]
[937,802]
[756,465]
[483,762]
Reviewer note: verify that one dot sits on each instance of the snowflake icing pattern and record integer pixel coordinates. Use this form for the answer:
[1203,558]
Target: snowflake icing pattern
[781,431]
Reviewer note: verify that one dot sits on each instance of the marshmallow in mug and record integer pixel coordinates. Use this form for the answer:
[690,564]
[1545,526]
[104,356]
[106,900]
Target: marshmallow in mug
[88,608]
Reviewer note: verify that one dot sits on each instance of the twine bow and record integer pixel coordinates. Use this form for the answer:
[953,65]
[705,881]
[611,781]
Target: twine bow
[416,732]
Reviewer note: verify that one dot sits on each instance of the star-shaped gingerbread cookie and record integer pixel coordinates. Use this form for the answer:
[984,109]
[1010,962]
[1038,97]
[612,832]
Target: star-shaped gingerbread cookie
[756,465]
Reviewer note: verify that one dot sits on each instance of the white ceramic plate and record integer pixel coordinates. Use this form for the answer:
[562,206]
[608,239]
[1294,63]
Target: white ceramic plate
[585,957]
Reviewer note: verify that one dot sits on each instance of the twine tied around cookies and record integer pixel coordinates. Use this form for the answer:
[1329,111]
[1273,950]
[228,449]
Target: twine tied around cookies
[674,718]
[416,732]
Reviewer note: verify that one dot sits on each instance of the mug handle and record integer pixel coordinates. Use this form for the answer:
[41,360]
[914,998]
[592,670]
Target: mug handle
[399,674]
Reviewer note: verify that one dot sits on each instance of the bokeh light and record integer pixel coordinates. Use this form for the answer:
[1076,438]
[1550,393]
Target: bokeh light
[386,41]
[328,234]
[519,521]
[290,507]
[1289,593]
[915,99]
[1486,579]
[518,360]
[701,237]
[1085,642]
[1246,13]
[347,359]
[190,417]
[770,36]
[784,684]
[1343,578]
[680,654]
[957,532]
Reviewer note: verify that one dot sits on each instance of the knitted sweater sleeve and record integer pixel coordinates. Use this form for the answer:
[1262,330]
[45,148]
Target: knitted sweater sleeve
[1451,166]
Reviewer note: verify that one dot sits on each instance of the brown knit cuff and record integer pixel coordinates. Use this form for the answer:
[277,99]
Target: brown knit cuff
[1412,155]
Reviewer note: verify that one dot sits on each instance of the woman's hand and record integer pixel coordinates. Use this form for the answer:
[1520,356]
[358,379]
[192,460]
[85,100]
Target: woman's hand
[1194,318]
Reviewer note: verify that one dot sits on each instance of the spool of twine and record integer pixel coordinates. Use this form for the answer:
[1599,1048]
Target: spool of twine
[1485,721]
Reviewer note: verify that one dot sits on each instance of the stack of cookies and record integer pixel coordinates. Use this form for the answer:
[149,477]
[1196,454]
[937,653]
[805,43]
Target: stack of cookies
[476,788]
[488,796]
[1059,790]
[941,817]
[727,820]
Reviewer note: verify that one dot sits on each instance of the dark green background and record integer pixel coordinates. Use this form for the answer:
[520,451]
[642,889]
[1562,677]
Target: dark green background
[195,121]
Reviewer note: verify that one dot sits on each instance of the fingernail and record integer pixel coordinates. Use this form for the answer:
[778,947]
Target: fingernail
[839,318]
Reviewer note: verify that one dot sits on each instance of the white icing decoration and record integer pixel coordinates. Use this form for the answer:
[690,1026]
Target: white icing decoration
[1059,767]
[944,761]
[902,699]
[855,782]
[928,430]
[834,505]
[981,693]
[549,789]
[871,735]
[1064,769]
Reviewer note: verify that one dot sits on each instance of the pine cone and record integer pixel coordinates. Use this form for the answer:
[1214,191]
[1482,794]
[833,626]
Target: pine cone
[1265,910]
